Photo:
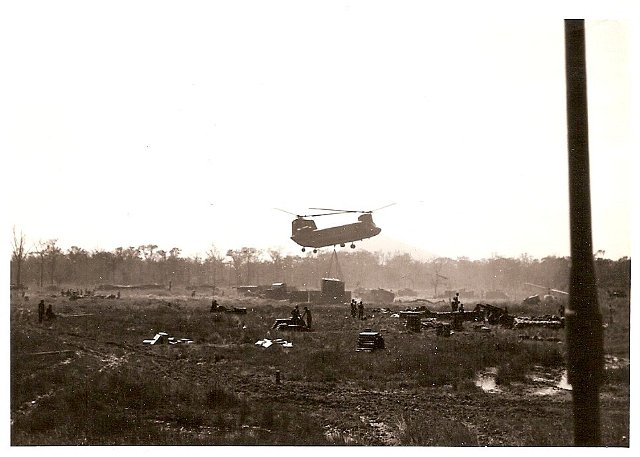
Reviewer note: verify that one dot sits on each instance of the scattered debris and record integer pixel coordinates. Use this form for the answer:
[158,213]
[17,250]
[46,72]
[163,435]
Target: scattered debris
[430,322]
[216,308]
[481,328]
[290,324]
[538,338]
[380,310]
[265,343]
[541,321]
[164,338]
[65,351]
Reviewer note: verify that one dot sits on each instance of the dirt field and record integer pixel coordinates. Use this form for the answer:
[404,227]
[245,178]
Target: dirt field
[86,377]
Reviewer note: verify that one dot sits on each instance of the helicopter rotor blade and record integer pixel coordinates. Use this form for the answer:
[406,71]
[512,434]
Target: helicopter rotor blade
[322,214]
[382,207]
[288,212]
[337,211]
[306,215]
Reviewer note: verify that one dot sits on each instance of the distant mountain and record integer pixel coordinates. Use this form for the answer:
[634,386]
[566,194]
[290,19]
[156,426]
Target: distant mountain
[383,243]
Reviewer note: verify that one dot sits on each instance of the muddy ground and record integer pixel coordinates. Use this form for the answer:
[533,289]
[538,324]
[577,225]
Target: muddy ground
[344,403]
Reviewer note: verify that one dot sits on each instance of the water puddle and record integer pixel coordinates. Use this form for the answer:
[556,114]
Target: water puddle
[486,380]
[542,382]
[553,386]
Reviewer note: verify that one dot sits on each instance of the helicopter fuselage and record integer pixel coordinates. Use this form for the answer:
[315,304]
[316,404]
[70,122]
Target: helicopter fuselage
[306,234]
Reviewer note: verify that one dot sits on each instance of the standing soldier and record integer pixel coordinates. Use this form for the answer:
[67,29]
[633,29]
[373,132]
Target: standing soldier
[455,302]
[40,310]
[307,317]
[49,313]
[353,308]
[295,315]
[360,310]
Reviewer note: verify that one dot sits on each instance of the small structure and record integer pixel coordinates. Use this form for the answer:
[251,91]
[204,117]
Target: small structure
[368,340]
[277,291]
[492,314]
[412,318]
[378,296]
[332,290]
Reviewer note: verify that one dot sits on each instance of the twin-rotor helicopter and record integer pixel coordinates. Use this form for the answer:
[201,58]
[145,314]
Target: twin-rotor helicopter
[305,232]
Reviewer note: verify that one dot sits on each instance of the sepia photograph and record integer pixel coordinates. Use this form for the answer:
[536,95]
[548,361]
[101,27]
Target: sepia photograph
[339,223]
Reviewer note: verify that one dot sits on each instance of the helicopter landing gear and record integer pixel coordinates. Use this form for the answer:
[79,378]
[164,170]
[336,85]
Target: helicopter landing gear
[303,249]
[353,246]
[341,245]
[315,251]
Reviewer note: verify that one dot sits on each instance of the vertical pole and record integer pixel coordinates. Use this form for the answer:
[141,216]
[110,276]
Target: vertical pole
[584,321]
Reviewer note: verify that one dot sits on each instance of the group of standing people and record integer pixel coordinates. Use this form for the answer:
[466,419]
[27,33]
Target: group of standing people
[301,319]
[357,309]
[42,313]
[456,304]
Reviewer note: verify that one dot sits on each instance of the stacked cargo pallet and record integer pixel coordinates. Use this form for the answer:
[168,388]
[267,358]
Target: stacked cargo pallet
[369,341]
[412,319]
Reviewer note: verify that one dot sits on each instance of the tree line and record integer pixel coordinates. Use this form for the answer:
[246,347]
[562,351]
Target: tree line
[48,265]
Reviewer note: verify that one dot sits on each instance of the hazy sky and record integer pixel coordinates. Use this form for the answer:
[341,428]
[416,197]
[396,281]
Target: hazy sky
[184,124]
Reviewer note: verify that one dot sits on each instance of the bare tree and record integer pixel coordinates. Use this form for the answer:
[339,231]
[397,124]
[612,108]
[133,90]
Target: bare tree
[276,259]
[19,254]
[238,259]
[52,252]
[437,276]
[147,251]
[214,259]
[40,250]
